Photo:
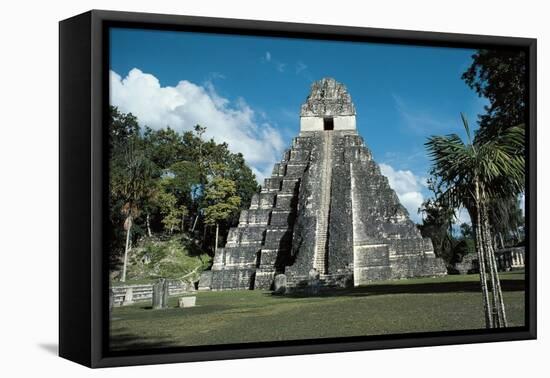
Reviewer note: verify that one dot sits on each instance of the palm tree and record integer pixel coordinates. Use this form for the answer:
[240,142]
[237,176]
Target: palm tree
[130,181]
[471,175]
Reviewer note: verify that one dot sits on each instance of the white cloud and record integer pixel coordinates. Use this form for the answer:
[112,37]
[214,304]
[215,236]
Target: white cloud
[268,58]
[300,66]
[408,187]
[183,106]
[280,66]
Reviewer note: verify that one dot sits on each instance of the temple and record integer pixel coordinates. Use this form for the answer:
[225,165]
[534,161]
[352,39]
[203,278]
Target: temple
[326,208]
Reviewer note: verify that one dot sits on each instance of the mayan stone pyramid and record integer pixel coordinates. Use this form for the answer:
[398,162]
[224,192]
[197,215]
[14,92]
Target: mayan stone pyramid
[326,207]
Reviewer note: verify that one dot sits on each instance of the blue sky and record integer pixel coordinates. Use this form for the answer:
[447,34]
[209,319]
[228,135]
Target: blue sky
[248,90]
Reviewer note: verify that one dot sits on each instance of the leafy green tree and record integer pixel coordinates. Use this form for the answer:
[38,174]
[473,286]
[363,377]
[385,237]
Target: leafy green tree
[470,175]
[129,182]
[244,178]
[466,231]
[461,248]
[164,147]
[167,203]
[122,128]
[464,245]
[506,219]
[500,76]
[437,223]
[129,176]
[161,180]
[210,157]
[222,200]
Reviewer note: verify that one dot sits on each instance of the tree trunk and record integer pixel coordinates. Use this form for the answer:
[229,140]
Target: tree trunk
[493,271]
[517,234]
[195,223]
[216,246]
[501,310]
[501,240]
[487,244]
[483,277]
[148,226]
[126,249]
[476,223]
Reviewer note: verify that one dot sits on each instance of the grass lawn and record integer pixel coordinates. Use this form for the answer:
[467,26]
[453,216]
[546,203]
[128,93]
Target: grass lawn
[415,305]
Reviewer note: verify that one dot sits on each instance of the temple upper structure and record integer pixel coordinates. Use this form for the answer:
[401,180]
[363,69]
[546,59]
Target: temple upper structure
[328,107]
[326,209]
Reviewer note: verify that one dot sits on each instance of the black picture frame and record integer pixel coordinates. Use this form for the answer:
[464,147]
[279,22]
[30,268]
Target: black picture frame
[83,100]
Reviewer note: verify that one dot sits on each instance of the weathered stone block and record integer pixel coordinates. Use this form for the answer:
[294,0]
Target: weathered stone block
[205,281]
[257,217]
[128,297]
[264,279]
[371,255]
[241,257]
[278,169]
[276,238]
[282,218]
[272,183]
[279,285]
[268,257]
[233,279]
[185,302]
[160,294]
[255,201]
[299,155]
[267,200]
[295,170]
[285,201]
[290,185]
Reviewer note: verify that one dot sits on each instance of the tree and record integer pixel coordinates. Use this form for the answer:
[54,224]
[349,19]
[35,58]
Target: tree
[465,244]
[506,219]
[130,212]
[500,77]
[470,175]
[159,181]
[466,231]
[130,175]
[437,223]
[167,203]
[222,200]
[122,127]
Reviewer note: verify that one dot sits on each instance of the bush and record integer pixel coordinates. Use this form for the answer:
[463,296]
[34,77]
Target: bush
[173,258]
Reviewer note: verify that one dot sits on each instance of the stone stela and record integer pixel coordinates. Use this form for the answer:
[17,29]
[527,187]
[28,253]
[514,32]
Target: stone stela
[327,209]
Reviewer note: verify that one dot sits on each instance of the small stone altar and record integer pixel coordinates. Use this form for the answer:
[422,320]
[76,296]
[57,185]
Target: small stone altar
[327,208]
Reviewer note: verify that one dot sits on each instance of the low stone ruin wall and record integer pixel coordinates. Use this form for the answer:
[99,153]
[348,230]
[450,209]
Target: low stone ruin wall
[128,294]
[507,259]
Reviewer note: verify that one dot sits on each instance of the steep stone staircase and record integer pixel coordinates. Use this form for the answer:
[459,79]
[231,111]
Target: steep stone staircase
[320,261]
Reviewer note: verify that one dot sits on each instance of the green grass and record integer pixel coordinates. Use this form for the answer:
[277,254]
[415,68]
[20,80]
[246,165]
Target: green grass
[390,307]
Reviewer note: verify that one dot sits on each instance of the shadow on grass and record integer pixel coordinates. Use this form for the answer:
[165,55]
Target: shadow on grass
[121,340]
[408,288]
